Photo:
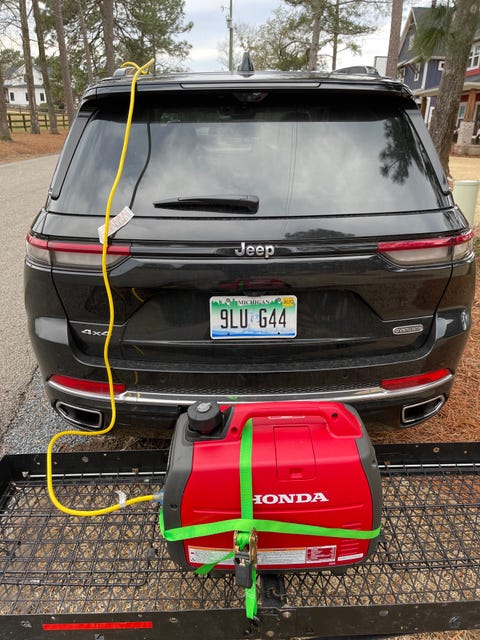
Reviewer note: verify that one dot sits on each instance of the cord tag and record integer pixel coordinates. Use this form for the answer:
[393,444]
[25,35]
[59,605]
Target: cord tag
[122,498]
[116,223]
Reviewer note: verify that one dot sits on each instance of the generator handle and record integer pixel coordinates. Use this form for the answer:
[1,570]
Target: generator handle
[331,412]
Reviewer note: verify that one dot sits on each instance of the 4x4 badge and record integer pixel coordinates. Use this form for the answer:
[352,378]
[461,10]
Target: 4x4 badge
[261,250]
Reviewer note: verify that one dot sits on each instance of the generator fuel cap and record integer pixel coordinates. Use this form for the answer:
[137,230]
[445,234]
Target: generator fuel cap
[204,417]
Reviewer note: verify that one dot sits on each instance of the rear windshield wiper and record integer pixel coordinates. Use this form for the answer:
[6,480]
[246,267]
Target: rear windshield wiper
[220,203]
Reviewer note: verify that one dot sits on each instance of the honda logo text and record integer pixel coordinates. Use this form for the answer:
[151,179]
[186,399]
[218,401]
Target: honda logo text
[289,498]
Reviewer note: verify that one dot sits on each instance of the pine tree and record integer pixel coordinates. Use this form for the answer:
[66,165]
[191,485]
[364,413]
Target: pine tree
[64,61]
[27,58]
[150,29]
[453,28]
[4,128]
[42,61]
[394,41]
[107,22]
[86,44]
[329,21]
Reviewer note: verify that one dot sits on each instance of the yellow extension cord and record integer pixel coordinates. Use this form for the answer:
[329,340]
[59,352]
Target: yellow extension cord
[147,498]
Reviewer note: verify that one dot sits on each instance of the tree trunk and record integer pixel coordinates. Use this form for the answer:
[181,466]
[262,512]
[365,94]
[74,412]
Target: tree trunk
[107,20]
[44,67]
[27,55]
[62,49]
[86,44]
[318,9]
[459,43]
[4,130]
[336,35]
[394,41]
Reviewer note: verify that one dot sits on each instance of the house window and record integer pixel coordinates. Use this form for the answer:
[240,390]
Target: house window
[476,129]
[430,114]
[476,125]
[12,96]
[441,64]
[26,96]
[416,72]
[42,97]
[474,57]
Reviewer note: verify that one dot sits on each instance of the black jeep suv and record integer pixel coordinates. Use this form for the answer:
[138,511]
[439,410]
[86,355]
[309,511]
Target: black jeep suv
[294,237]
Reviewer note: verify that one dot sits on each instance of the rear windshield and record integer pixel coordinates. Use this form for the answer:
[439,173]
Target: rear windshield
[300,155]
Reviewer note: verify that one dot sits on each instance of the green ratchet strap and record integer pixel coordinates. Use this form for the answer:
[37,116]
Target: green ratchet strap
[246,523]
[246,510]
[270,526]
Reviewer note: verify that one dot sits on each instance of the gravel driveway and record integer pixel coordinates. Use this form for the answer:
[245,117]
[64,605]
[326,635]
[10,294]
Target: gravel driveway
[23,192]
[27,421]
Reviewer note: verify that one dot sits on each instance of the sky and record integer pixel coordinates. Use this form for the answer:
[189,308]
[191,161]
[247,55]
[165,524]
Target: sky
[210,29]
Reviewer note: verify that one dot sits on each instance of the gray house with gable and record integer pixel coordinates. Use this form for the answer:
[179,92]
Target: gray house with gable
[423,78]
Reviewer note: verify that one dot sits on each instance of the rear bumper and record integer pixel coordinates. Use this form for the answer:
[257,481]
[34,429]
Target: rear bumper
[155,397]
[138,410]
[355,397]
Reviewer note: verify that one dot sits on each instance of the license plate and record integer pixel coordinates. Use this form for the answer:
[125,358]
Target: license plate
[253,317]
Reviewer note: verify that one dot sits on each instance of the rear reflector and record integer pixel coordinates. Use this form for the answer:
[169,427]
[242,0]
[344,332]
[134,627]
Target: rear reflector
[96,626]
[415,381]
[429,250]
[89,386]
[73,254]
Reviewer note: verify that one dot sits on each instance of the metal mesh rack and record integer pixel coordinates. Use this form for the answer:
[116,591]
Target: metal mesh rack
[428,558]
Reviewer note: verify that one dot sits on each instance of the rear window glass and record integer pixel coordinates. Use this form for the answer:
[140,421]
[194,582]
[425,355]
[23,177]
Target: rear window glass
[300,155]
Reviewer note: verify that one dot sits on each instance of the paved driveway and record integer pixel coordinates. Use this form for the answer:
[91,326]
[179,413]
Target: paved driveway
[23,188]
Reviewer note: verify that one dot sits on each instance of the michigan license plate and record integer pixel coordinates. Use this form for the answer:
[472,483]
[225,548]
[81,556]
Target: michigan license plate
[249,317]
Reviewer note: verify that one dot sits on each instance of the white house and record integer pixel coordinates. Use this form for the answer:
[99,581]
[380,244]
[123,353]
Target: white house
[16,92]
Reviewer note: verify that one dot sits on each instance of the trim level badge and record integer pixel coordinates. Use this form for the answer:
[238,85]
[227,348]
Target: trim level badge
[408,328]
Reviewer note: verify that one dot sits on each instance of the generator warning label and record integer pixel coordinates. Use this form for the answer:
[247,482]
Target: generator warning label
[298,556]
[267,557]
[321,554]
[283,557]
[204,555]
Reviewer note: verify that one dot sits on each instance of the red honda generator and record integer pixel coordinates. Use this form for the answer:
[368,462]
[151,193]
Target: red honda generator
[304,483]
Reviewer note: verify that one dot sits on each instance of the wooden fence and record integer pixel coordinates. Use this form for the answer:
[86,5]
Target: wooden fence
[22,121]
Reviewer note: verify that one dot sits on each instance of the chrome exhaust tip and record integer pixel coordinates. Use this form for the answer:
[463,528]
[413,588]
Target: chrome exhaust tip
[86,419]
[413,413]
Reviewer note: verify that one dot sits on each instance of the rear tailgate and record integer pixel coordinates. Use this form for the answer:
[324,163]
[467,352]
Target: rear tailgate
[333,174]
[351,300]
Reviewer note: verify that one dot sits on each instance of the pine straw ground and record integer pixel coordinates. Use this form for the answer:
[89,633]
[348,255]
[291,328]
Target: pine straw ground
[458,421]
[27,145]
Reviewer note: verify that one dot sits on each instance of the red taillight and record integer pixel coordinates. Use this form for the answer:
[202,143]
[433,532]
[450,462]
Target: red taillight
[429,250]
[415,381]
[74,247]
[37,250]
[37,242]
[88,386]
[73,254]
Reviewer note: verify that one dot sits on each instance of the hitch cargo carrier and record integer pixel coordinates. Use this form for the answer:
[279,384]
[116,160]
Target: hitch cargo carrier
[110,577]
